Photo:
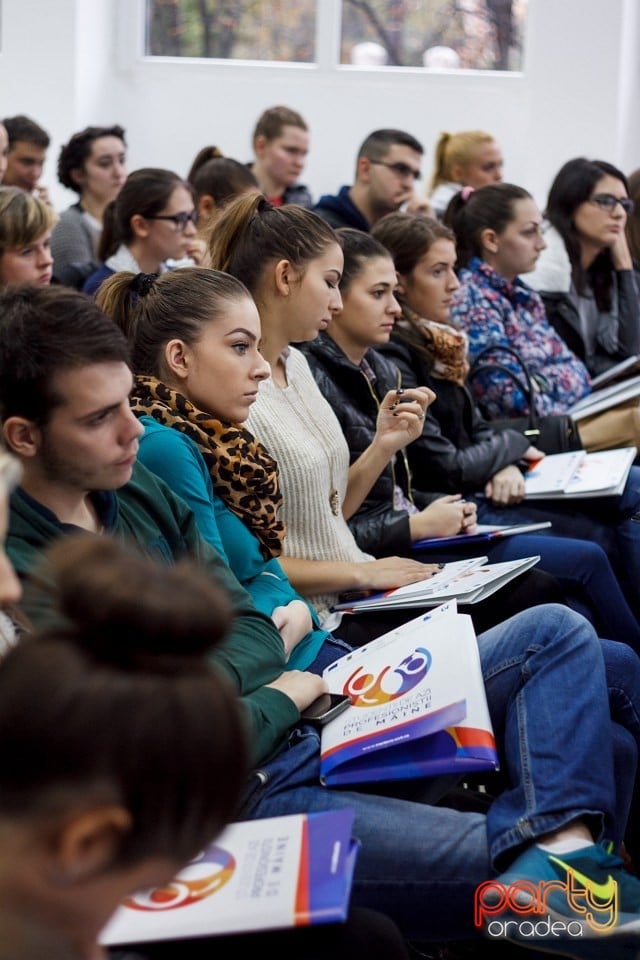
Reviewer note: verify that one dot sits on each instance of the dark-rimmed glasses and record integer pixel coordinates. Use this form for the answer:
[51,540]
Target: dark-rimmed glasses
[400,169]
[179,219]
[607,201]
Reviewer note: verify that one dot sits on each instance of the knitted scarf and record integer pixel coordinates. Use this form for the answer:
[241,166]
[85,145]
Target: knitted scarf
[244,475]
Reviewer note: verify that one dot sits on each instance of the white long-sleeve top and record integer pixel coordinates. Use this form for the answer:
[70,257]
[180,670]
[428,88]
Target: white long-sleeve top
[299,429]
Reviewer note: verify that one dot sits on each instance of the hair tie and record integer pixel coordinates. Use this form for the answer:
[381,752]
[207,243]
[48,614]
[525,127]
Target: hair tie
[142,283]
[466,192]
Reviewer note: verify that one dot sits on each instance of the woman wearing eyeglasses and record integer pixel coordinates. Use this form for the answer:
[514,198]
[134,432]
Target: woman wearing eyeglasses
[585,276]
[150,224]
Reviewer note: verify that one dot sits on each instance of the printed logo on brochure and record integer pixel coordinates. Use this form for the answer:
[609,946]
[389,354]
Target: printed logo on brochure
[369,689]
[201,878]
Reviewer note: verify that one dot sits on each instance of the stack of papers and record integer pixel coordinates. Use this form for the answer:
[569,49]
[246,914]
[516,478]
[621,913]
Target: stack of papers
[625,368]
[605,398]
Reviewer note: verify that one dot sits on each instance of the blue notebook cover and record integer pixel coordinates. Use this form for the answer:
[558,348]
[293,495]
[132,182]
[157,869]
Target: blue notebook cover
[482,534]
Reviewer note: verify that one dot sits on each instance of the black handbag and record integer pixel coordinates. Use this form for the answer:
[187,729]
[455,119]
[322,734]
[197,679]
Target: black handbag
[552,433]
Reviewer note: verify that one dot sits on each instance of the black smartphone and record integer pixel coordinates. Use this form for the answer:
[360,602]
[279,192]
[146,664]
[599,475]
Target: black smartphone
[325,708]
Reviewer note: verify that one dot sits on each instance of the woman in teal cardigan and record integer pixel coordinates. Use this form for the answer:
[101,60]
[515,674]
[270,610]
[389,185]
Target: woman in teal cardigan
[175,457]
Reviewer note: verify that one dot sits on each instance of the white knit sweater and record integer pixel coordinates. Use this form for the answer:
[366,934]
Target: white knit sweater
[298,428]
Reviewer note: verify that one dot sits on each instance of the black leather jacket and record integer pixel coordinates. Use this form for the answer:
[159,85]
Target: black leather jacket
[377,526]
[458,451]
[623,333]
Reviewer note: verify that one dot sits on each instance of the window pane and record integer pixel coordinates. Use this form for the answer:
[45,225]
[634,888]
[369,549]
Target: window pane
[462,34]
[237,30]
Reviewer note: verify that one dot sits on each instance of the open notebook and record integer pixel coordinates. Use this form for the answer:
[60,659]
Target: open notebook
[467,581]
[563,476]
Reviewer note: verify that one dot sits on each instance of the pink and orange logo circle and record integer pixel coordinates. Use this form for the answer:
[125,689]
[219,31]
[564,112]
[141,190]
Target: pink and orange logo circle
[201,878]
[368,689]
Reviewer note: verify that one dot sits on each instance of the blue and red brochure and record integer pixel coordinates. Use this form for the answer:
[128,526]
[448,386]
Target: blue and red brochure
[263,874]
[418,705]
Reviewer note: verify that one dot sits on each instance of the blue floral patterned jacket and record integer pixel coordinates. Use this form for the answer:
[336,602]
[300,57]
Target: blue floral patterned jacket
[494,310]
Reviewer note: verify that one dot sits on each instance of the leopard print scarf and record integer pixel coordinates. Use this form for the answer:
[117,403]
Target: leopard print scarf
[244,475]
[447,346]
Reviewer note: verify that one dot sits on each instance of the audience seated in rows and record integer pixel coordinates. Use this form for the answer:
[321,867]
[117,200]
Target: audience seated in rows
[136,632]
[353,376]
[528,661]
[299,277]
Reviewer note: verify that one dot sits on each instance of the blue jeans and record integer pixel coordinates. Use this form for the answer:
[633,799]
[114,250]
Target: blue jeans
[545,676]
[610,522]
[584,571]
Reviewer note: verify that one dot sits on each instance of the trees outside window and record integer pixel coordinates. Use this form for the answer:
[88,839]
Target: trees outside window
[463,34]
[272,30]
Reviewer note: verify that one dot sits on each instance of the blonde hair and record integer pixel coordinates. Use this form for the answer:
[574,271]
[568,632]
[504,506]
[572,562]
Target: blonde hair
[453,149]
[23,218]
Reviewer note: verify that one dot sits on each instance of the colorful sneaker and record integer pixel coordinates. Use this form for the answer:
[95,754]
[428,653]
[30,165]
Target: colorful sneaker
[582,904]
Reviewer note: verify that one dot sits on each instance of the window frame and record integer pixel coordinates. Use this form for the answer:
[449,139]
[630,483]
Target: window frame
[328,38]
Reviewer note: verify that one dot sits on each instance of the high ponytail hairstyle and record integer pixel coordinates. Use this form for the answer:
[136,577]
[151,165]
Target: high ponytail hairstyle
[221,179]
[252,232]
[470,212]
[207,153]
[455,149]
[117,700]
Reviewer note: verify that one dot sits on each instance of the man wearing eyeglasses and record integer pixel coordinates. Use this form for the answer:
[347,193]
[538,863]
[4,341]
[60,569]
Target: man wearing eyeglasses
[387,168]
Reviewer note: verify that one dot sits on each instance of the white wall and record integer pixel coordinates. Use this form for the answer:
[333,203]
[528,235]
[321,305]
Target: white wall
[72,62]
